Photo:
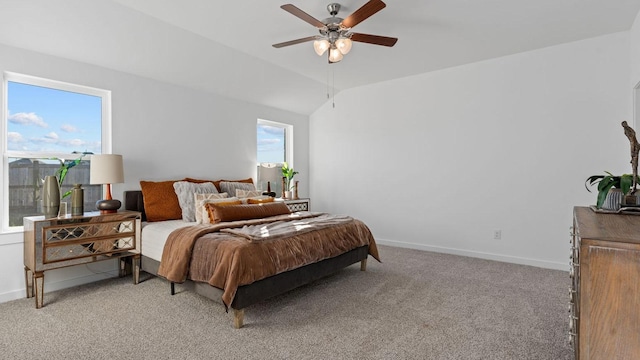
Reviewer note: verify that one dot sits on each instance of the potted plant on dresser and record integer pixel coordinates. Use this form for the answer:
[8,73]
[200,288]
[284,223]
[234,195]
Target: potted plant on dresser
[612,189]
[615,191]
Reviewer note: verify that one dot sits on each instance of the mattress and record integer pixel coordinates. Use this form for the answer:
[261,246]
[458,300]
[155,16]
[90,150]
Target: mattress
[154,235]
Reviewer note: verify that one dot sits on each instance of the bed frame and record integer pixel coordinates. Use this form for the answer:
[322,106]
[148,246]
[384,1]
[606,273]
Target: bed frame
[247,295]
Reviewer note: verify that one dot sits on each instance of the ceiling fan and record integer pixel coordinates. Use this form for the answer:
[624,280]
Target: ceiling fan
[335,33]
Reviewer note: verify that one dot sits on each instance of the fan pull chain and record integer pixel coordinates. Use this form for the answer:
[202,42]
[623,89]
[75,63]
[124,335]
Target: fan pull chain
[328,67]
[333,87]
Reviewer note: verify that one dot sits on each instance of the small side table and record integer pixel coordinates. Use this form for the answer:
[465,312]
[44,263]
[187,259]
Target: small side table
[302,204]
[75,240]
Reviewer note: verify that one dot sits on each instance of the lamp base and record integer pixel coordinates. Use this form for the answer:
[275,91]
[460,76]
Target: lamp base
[108,206]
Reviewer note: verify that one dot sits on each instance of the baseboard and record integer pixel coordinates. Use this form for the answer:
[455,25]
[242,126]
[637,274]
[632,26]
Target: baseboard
[59,285]
[478,254]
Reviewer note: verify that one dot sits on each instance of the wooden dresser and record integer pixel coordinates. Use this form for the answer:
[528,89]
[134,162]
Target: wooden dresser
[604,308]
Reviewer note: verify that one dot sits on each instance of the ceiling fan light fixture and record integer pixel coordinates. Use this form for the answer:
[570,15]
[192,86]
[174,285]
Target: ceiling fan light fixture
[344,45]
[334,55]
[320,46]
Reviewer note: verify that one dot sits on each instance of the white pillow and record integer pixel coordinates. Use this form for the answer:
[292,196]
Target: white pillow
[202,216]
[185,190]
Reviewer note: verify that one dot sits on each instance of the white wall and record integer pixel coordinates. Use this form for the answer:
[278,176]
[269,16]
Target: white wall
[634,41]
[440,160]
[164,132]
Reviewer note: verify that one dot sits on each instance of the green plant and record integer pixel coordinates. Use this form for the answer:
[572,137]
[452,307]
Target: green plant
[607,182]
[288,173]
[65,165]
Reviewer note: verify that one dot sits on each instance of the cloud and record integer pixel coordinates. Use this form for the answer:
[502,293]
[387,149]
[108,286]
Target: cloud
[273,130]
[268,141]
[14,137]
[69,128]
[269,144]
[52,136]
[27,119]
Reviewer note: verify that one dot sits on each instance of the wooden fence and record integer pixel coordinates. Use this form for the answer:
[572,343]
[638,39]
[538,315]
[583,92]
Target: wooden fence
[25,187]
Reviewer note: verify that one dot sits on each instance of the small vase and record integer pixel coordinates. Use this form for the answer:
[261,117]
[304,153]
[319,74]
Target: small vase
[613,200]
[77,200]
[50,197]
[287,195]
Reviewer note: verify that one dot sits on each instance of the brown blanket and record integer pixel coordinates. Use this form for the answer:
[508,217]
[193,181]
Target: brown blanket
[227,261]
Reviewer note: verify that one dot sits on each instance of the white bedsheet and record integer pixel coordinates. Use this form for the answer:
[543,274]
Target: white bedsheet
[154,235]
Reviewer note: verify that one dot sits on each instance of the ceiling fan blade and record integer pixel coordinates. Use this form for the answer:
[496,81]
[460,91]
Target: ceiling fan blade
[374,39]
[302,15]
[364,12]
[293,42]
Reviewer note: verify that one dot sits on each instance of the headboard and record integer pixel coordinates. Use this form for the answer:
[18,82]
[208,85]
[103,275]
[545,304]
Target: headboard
[133,201]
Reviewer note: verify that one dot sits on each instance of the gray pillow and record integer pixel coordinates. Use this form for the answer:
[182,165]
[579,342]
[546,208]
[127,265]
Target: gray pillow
[185,190]
[230,187]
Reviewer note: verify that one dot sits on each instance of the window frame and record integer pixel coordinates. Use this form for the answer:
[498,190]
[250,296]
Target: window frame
[106,135]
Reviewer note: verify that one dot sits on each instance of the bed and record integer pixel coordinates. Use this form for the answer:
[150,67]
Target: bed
[188,264]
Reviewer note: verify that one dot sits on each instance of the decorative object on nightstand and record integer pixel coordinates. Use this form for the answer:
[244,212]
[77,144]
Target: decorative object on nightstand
[287,177]
[107,169]
[60,242]
[77,200]
[50,197]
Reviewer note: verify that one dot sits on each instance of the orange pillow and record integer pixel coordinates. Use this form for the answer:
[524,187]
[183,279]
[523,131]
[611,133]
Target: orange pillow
[246,211]
[217,182]
[260,200]
[160,200]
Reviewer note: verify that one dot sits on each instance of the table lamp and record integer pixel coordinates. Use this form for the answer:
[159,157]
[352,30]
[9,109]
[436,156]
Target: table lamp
[271,174]
[107,169]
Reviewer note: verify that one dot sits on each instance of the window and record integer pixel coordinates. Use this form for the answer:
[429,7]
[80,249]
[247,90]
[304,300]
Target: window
[43,120]
[275,146]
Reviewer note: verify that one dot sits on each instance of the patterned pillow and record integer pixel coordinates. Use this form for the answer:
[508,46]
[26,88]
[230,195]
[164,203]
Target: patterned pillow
[217,182]
[247,193]
[185,190]
[200,200]
[230,187]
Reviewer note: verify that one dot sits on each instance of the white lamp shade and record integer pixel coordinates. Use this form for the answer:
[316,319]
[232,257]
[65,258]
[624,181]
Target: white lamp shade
[106,169]
[270,172]
[344,45]
[320,46]
[335,55]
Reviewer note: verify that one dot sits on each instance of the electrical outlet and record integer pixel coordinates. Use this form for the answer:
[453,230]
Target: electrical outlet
[497,234]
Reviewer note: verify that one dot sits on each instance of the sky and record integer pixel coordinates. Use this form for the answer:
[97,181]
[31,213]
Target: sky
[270,144]
[51,120]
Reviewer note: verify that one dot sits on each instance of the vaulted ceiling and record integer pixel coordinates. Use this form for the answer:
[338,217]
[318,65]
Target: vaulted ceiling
[225,47]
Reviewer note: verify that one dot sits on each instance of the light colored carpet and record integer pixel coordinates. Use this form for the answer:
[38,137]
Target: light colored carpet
[415,305]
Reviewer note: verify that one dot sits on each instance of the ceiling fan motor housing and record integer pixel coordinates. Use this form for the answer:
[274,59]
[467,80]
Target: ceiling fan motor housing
[333,9]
